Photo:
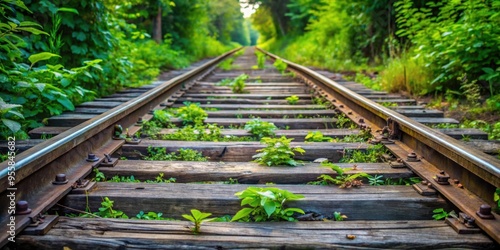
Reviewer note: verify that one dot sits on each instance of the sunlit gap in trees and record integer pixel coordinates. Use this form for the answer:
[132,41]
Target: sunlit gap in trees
[248,9]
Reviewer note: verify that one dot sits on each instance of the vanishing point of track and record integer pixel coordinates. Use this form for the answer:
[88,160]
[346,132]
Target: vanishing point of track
[378,216]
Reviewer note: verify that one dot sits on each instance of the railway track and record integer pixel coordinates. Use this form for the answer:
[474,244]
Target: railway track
[378,216]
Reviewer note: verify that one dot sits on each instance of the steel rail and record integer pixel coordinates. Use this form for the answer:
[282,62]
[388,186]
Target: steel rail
[34,160]
[480,172]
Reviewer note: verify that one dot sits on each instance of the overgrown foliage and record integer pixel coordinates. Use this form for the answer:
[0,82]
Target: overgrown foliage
[53,52]
[461,38]
[266,204]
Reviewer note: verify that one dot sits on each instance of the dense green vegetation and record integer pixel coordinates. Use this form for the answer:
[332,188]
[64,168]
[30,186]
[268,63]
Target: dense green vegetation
[55,54]
[445,48]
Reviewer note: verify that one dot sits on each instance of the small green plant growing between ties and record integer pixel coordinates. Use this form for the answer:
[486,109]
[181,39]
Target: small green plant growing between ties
[337,216]
[197,218]
[344,122]
[162,117]
[277,152]
[373,154]
[440,213]
[261,59]
[106,210]
[150,216]
[317,136]
[292,100]
[191,114]
[496,199]
[226,64]
[260,128]
[238,84]
[376,180]
[160,154]
[280,66]
[343,180]
[266,204]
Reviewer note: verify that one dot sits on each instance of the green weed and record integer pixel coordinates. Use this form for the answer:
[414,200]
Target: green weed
[496,199]
[191,114]
[317,136]
[342,180]
[160,154]
[292,100]
[280,66]
[277,152]
[106,210]
[260,128]
[197,218]
[266,204]
[440,214]
[150,216]
[372,154]
[238,84]
[261,59]
[343,121]
[227,64]
[368,82]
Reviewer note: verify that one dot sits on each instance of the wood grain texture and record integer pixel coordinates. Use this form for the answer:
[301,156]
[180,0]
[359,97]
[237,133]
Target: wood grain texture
[271,113]
[78,233]
[241,151]
[244,172]
[253,106]
[240,101]
[174,199]
[297,134]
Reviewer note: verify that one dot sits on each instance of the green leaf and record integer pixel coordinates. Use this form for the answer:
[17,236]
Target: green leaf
[268,194]
[296,210]
[269,207]
[65,82]
[41,57]
[188,217]
[12,125]
[40,86]
[20,4]
[79,36]
[16,113]
[66,103]
[4,106]
[68,10]
[488,70]
[33,31]
[28,23]
[242,213]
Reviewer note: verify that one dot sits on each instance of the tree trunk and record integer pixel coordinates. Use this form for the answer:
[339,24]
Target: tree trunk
[157,36]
